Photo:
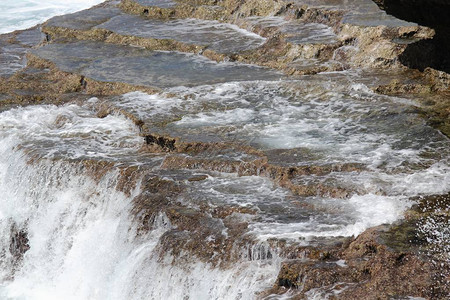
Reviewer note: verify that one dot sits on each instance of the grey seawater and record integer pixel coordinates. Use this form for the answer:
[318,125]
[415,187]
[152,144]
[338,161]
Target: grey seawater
[321,120]
[160,69]
[82,236]
[83,241]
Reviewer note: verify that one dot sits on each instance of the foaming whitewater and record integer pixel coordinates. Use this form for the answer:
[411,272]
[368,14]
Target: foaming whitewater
[322,122]
[69,232]
[81,241]
[70,131]
[22,14]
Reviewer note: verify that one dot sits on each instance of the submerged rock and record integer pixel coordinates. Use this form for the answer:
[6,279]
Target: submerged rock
[221,155]
[139,67]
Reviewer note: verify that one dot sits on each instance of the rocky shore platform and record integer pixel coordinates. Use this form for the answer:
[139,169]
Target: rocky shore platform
[208,84]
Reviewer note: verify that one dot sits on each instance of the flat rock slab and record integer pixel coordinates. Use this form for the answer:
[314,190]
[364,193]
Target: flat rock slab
[13,49]
[221,37]
[114,63]
[157,3]
[296,32]
[86,19]
[12,58]
[30,37]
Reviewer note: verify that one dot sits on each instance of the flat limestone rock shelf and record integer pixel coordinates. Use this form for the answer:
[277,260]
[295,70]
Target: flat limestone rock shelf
[12,58]
[296,32]
[85,19]
[13,49]
[112,63]
[223,38]
[157,3]
[154,149]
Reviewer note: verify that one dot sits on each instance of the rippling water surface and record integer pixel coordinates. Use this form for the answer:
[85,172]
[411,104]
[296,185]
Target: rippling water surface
[22,14]
[366,157]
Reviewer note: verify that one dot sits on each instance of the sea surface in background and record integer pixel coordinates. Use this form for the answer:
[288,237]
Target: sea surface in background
[22,14]
[82,215]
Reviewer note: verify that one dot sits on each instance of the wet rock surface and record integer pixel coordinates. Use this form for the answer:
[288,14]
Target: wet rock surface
[263,131]
[429,53]
[217,36]
[113,63]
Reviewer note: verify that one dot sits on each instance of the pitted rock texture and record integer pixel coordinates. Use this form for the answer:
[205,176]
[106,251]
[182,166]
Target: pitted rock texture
[188,147]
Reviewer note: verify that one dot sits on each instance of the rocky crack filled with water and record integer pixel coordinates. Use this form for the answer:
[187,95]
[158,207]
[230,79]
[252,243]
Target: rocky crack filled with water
[203,149]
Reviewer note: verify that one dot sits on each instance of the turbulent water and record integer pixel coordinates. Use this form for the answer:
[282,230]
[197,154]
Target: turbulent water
[73,224]
[83,243]
[22,14]
[323,122]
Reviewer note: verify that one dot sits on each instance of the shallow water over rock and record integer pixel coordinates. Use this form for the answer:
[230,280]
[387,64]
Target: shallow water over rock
[223,38]
[12,58]
[136,66]
[315,123]
[129,170]
[296,32]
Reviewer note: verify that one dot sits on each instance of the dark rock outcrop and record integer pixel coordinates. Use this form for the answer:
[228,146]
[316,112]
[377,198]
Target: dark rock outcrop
[434,52]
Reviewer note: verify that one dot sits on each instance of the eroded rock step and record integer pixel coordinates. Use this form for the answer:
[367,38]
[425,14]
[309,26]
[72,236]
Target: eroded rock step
[288,132]
[113,63]
[357,12]
[221,37]
[295,32]
[313,114]
[85,19]
[159,9]
[320,40]
[13,48]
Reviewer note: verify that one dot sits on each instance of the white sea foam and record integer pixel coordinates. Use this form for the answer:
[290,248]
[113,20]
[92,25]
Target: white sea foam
[284,216]
[338,124]
[355,215]
[63,210]
[145,106]
[351,124]
[70,131]
[22,14]
[83,242]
